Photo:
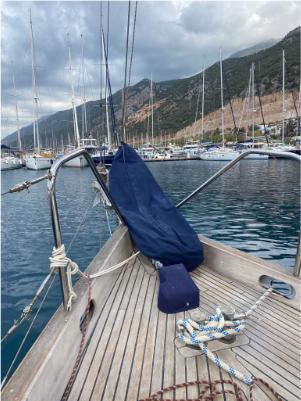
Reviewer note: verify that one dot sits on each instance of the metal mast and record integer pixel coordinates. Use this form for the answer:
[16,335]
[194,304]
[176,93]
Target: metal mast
[222,98]
[253,104]
[109,139]
[203,100]
[84,110]
[17,110]
[36,138]
[152,109]
[75,123]
[283,94]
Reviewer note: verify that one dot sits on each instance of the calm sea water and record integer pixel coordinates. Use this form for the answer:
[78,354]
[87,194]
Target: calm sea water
[254,207]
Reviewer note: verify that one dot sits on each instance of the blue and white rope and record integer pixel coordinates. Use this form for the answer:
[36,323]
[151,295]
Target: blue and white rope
[215,328]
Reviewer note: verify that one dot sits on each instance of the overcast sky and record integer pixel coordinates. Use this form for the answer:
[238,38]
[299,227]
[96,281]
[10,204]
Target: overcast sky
[173,40]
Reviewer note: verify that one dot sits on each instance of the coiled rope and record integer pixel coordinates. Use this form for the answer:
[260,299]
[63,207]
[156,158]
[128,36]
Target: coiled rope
[59,259]
[215,328]
[193,333]
[210,390]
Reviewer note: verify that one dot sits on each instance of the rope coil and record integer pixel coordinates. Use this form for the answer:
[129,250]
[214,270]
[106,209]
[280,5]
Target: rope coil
[210,391]
[59,259]
[215,328]
[193,333]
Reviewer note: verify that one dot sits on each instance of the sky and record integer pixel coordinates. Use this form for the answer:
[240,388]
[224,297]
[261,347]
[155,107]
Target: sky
[173,39]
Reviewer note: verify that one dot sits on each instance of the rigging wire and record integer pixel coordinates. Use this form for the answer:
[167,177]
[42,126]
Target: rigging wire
[108,27]
[197,104]
[124,93]
[113,120]
[28,309]
[246,102]
[230,102]
[132,48]
[133,43]
[261,110]
[27,333]
[297,114]
[79,227]
[100,53]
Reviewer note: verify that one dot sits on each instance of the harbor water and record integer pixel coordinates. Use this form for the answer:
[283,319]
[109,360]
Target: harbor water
[254,207]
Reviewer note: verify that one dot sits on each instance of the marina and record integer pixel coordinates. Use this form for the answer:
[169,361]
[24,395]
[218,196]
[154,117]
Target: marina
[125,277]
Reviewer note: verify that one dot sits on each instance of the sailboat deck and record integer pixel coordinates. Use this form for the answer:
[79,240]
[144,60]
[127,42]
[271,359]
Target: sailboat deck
[132,353]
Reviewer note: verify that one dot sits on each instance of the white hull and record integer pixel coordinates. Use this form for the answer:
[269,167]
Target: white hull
[38,163]
[219,155]
[10,163]
[77,162]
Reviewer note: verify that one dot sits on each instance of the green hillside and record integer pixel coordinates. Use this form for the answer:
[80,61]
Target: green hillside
[176,100]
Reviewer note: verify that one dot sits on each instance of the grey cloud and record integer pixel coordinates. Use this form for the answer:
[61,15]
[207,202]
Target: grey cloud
[173,40]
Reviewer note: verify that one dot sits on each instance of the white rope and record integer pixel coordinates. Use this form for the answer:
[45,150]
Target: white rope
[215,328]
[60,260]
[115,267]
[254,307]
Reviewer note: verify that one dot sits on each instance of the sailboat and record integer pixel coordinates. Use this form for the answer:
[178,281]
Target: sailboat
[243,146]
[223,153]
[107,152]
[281,146]
[37,160]
[162,311]
[147,151]
[79,161]
[9,161]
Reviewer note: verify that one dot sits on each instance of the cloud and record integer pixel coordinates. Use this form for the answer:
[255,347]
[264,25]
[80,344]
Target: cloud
[173,40]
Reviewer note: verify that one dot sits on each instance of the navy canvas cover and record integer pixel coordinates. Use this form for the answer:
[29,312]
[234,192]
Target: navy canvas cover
[157,228]
[177,291]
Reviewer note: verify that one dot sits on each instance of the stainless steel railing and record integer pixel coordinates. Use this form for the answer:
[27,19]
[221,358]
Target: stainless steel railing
[54,210]
[227,167]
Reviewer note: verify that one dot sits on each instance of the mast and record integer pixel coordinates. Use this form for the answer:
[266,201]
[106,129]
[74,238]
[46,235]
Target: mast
[148,118]
[101,50]
[109,139]
[203,100]
[100,138]
[253,104]
[75,123]
[283,94]
[84,110]
[17,110]
[36,138]
[222,98]
[152,109]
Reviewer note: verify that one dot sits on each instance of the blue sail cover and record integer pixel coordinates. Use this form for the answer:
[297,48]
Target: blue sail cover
[157,228]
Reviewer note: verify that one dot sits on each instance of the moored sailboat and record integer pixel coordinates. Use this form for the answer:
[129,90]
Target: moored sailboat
[223,153]
[78,161]
[36,160]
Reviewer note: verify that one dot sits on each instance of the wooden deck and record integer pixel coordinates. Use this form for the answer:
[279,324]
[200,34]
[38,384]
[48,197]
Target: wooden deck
[131,351]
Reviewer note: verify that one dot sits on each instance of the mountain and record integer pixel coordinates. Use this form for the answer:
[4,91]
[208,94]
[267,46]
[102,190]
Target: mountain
[255,49]
[175,101]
